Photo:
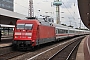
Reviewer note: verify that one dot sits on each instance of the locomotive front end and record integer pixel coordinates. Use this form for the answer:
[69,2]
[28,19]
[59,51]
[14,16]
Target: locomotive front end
[24,35]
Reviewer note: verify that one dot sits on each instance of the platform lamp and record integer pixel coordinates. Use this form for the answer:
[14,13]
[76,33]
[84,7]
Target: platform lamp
[0,33]
[0,27]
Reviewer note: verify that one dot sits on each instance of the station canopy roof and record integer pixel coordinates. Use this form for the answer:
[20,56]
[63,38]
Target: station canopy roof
[12,14]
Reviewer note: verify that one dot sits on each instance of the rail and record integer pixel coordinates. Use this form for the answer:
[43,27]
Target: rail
[68,48]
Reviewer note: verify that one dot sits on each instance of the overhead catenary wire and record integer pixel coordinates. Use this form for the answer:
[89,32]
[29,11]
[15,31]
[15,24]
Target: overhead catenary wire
[72,14]
[69,11]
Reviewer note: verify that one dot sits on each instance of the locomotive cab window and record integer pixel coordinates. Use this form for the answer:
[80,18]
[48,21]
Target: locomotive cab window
[28,26]
[20,26]
[24,26]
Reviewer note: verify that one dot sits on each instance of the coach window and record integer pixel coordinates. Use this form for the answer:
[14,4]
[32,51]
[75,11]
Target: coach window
[58,31]
[61,31]
[66,31]
[71,31]
[28,26]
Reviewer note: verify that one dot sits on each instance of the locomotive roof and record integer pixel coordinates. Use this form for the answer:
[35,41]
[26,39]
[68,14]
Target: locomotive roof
[40,21]
[44,22]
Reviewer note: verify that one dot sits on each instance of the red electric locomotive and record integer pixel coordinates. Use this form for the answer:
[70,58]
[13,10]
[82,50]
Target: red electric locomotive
[32,32]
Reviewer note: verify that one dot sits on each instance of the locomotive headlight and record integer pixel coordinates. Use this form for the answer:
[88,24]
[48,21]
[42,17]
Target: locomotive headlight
[29,37]
[16,36]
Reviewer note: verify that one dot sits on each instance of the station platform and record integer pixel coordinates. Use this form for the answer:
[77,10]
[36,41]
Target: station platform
[6,41]
[83,52]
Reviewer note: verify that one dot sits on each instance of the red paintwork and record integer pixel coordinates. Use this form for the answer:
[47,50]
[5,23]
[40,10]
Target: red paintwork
[61,34]
[38,31]
[33,31]
[46,32]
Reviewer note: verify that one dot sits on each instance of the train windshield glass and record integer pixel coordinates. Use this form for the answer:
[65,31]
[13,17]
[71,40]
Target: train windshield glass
[20,26]
[28,26]
[24,26]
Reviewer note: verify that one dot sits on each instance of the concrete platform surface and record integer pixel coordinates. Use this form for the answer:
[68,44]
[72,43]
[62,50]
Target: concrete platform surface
[80,53]
[6,41]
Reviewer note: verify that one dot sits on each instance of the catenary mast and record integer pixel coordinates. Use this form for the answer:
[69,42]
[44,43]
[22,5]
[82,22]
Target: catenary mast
[31,10]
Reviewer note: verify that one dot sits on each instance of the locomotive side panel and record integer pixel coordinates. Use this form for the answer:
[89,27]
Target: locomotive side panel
[46,34]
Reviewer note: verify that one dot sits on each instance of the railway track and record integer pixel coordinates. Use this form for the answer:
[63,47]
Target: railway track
[50,53]
[17,55]
[11,55]
[66,52]
[7,53]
